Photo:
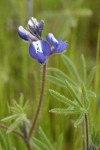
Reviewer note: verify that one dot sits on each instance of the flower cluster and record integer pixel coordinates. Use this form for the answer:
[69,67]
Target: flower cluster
[40,49]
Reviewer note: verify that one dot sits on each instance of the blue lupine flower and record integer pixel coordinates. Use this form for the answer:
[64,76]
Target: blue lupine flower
[58,46]
[40,49]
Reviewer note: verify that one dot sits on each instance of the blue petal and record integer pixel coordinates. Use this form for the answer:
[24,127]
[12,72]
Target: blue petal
[32,51]
[23,33]
[41,58]
[50,38]
[40,27]
[37,50]
[45,48]
[61,46]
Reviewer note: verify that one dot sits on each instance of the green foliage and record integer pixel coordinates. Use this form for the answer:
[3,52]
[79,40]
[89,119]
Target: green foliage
[43,143]
[80,103]
[95,138]
[18,114]
[3,142]
[73,20]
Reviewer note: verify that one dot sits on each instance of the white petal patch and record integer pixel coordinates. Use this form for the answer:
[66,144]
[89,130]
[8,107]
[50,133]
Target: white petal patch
[30,23]
[38,47]
[21,29]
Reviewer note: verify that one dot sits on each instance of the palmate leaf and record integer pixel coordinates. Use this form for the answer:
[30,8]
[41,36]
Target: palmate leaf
[45,139]
[71,68]
[61,75]
[62,98]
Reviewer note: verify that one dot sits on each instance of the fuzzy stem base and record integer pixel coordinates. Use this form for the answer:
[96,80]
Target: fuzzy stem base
[39,104]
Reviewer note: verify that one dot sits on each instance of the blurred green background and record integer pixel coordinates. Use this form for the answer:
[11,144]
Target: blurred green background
[76,21]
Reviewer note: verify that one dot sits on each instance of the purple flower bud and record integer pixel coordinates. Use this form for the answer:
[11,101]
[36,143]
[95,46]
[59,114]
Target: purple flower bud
[35,27]
[25,35]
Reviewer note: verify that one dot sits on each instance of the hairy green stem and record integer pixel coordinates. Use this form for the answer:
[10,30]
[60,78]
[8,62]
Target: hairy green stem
[86,127]
[39,103]
[83,132]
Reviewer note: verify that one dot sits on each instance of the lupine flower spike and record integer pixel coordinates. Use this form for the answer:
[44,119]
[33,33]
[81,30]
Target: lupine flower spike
[40,49]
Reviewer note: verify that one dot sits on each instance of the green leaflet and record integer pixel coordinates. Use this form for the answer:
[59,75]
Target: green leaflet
[56,81]
[44,139]
[40,144]
[73,93]
[62,98]
[71,68]
[3,142]
[83,69]
[79,120]
[65,111]
[16,123]
[60,142]
[91,76]
[61,75]
[9,118]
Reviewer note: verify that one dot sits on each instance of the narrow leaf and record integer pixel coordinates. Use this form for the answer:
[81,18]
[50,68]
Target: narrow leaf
[36,146]
[84,93]
[8,118]
[60,142]
[15,124]
[62,98]
[64,111]
[71,68]
[91,76]
[73,93]
[91,93]
[56,81]
[83,69]
[45,139]
[40,144]
[61,75]
[3,141]
[79,120]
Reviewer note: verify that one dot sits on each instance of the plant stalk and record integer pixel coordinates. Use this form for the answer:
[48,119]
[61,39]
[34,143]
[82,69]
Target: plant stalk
[86,132]
[39,103]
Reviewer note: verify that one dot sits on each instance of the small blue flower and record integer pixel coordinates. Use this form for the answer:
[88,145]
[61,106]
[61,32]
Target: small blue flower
[40,50]
[58,46]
